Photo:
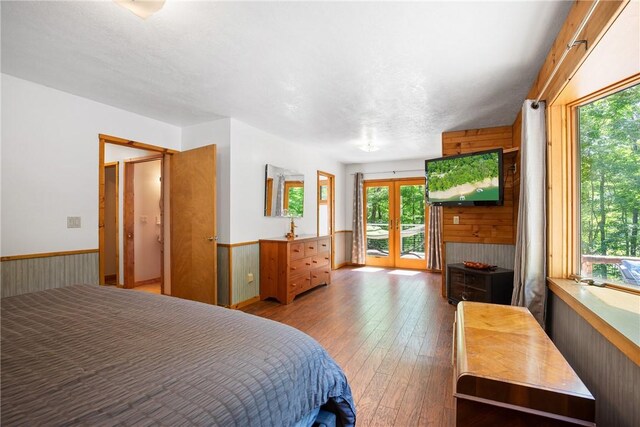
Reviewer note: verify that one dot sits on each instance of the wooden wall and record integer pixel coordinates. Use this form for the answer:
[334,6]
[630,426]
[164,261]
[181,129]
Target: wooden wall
[482,224]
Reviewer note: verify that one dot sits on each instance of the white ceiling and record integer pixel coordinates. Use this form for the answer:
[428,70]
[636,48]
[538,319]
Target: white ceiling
[326,74]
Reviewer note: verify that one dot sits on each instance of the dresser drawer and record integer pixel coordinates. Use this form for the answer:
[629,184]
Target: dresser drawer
[299,283]
[300,265]
[320,276]
[475,281]
[310,248]
[296,251]
[456,276]
[320,260]
[324,245]
[466,293]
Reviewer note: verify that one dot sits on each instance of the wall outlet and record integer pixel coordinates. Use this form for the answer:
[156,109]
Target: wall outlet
[74,222]
[249,277]
[456,220]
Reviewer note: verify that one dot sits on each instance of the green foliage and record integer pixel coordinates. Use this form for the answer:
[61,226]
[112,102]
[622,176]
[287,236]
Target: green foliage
[609,132]
[450,173]
[296,201]
[412,211]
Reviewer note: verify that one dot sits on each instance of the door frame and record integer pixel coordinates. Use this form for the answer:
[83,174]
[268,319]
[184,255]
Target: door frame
[108,139]
[116,166]
[332,198]
[393,260]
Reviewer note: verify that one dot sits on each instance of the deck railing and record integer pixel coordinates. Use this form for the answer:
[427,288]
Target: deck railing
[588,261]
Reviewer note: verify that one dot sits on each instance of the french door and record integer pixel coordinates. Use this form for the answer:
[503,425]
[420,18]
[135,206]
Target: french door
[395,232]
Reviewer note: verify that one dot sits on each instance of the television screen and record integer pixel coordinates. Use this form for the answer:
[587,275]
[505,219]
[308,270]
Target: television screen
[473,179]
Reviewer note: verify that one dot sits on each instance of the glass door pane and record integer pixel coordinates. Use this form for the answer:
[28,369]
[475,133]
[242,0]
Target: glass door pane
[410,224]
[378,223]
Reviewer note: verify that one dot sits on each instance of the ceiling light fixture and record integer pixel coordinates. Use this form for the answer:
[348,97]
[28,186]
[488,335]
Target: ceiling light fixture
[369,147]
[142,8]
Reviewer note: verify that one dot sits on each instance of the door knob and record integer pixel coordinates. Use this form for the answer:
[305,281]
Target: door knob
[130,235]
[211,238]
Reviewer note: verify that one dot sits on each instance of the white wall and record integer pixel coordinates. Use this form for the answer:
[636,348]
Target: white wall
[50,164]
[146,226]
[215,132]
[379,170]
[251,150]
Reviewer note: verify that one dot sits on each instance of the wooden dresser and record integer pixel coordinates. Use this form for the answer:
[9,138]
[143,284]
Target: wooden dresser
[506,371]
[290,267]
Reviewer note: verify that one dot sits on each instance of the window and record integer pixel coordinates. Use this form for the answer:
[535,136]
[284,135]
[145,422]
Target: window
[609,187]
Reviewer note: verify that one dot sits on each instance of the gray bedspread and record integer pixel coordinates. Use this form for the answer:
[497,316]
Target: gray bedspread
[92,355]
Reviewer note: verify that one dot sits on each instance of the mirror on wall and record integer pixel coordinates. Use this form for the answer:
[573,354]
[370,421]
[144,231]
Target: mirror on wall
[283,192]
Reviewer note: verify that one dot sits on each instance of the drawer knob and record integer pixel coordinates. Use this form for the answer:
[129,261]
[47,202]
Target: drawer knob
[296,250]
[315,277]
[315,262]
[293,268]
[307,263]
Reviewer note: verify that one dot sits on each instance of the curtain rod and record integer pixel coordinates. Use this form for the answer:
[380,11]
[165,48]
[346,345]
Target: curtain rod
[574,41]
[393,172]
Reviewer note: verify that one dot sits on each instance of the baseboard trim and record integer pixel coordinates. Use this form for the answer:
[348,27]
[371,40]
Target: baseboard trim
[245,303]
[146,282]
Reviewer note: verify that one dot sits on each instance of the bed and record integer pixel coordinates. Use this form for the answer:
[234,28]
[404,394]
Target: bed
[92,355]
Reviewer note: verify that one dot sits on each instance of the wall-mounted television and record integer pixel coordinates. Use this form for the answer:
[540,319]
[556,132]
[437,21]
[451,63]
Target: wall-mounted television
[474,179]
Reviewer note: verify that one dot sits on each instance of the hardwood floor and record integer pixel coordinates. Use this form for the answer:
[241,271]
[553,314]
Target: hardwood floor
[391,332]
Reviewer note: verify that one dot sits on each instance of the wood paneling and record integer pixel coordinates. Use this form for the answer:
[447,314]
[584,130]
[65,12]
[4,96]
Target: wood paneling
[391,335]
[493,254]
[600,20]
[224,275]
[342,246]
[482,224]
[25,275]
[245,259]
[612,377]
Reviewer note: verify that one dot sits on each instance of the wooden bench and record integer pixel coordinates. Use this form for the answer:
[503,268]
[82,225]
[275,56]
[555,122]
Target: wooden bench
[506,371]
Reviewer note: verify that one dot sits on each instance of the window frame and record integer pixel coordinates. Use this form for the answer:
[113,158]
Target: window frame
[572,144]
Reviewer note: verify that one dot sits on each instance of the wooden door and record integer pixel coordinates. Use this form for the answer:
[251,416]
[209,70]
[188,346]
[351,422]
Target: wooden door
[193,225]
[326,209]
[409,231]
[395,231]
[378,223]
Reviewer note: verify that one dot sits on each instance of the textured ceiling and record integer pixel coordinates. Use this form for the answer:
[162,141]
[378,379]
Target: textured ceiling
[325,74]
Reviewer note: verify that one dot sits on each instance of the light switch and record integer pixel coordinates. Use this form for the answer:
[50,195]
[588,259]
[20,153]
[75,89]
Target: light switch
[456,220]
[249,277]
[74,222]
[143,219]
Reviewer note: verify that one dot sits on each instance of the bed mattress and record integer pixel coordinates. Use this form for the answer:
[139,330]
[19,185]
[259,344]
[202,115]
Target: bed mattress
[93,355]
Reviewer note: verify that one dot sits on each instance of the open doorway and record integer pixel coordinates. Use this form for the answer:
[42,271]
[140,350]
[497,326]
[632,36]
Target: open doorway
[111,223]
[326,208]
[131,214]
[143,223]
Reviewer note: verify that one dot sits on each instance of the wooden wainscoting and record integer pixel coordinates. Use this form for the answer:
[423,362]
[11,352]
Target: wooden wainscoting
[36,272]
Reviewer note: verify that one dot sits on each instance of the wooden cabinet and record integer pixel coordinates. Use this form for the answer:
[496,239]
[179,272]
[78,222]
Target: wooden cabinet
[290,267]
[506,371]
[467,284]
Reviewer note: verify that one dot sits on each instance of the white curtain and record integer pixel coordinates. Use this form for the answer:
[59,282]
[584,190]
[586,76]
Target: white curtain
[434,248]
[358,248]
[530,270]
